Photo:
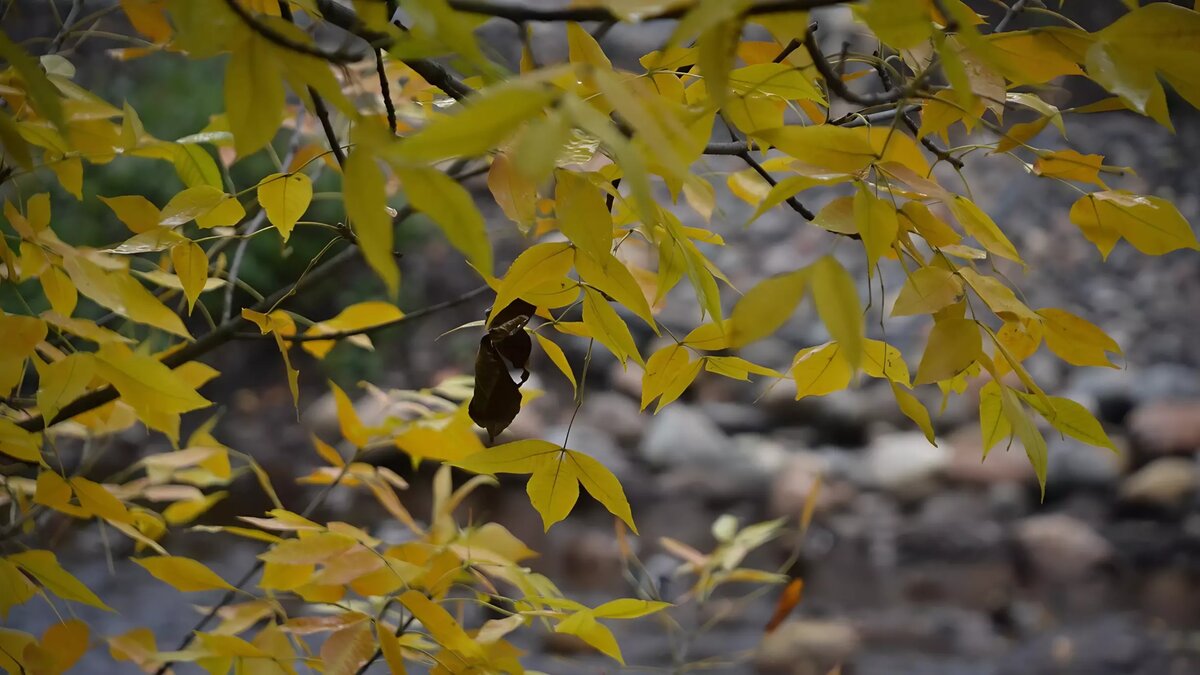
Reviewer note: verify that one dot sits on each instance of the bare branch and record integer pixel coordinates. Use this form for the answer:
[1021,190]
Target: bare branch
[790,201]
[835,83]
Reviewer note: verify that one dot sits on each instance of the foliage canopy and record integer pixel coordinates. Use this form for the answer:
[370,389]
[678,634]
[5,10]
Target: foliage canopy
[592,163]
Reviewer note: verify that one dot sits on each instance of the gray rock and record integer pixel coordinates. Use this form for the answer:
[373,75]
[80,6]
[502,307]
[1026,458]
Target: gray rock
[681,435]
[1060,548]
[735,417]
[1166,427]
[1003,465]
[1073,465]
[807,647]
[617,415]
[1165,483]
[905,464]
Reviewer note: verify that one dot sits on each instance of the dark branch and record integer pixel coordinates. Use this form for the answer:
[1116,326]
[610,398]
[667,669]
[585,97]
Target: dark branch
[385,90]
[837,86]
[1013,10]
[411,316]
[281,40]
[790,201]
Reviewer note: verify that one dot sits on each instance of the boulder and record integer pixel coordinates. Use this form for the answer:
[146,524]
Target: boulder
[1057,548]
[807,647]
[1164,483]
[1166,427]
[905,464]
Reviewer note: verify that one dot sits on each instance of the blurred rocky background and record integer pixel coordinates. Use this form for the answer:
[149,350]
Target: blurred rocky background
[919,560]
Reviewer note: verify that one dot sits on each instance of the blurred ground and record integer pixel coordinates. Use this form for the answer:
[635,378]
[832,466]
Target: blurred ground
[920,560]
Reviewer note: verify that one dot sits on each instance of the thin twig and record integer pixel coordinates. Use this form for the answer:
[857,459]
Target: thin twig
[281,40]
[385,90]
[67,25]
[941,153]
[790,47]
[411,316]
[379,650]
[1013,10]
[790,201]
[838,86]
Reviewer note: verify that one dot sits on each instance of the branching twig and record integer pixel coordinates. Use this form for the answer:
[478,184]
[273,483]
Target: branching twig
[1013,10]
[385,90]
[281,40]
[790,201]
[941,153]
[411,316]
[835,83]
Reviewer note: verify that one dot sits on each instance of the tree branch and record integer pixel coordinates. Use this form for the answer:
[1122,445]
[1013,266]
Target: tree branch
[281,40]
[837,86]
[790,201]
[1013,10]
[411,316]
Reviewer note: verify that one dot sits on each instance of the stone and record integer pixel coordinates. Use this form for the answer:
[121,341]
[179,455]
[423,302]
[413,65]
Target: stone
[1003,465]
[735,418]
[1165,483]
[1058,548]
[742,471]
[617,415]
[682,435]
[794,483]
[1166,427]
[1075,465]
[807,647]
[905,464]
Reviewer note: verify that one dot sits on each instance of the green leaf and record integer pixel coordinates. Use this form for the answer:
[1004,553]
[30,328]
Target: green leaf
[41,91]
[1072,419]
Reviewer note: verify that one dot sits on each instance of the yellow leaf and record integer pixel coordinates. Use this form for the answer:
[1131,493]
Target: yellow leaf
[479,126]
[553,488]
[820,370]
[183,574]
[979,225]
[279,324]
[99,501]
[88,330]
[602,485]
[933,230]
[348,649]
[583,624]
[192,203]
[136,645]
[582,214]
[1028,433]
[185,511]
[628,608]
[389,646]
[927,290]
[282,576]
[776,79]
[43,566]
[516,457]
[998,297]
[285,198]
[1070,165]
[450,206]
[1153,225]
[227,213]
[824,146]
[358,316]
[191,266]
[16,442]
[558,358]
[440,625]
[992,421]
[15,587]
[145,383]
[954,344]
[254,96]
[765,308]
[1075,340]
[737,368]
[883,361]
[70,175]
[65,643]
[1033,56]
[607,327]
[662,368]
[365,197]
[64,381]
[583,48]
[351,426]
[609,275]
[309,548]
[59,291]
[914,410]
[902,24]
[877,224]
[1072,419]
[515,193]
[838,306]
